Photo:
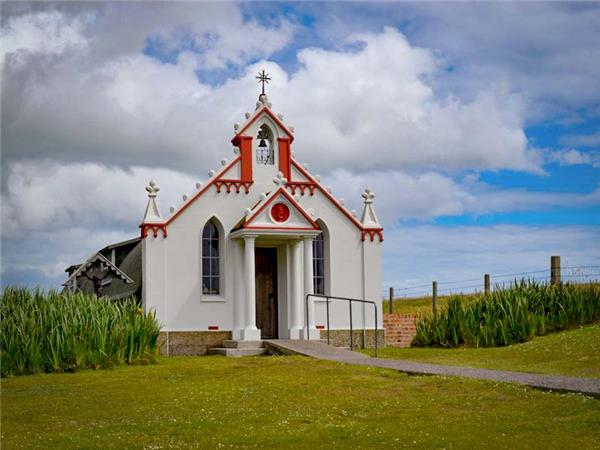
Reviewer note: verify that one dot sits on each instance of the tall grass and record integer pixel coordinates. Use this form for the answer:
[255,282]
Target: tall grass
[58,332]
[509,316]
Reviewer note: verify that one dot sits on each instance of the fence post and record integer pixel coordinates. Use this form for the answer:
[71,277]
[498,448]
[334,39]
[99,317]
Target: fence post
[486,283]
[434,296]
[391,300]
[554,270]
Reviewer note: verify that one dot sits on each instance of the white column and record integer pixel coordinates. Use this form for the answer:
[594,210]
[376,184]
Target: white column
[296,300]
[239,289]
[311,332]
[251,333]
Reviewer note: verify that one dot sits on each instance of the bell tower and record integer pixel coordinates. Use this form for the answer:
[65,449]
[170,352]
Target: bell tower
[264,142]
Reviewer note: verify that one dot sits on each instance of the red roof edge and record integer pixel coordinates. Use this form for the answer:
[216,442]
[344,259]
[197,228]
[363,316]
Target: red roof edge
[327,194]
[203,190]
[235,139]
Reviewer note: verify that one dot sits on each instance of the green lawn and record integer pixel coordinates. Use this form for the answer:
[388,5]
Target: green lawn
[573,352]
[285,402]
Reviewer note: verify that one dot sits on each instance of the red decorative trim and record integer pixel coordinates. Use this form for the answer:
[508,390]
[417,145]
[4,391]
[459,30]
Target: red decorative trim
[302,186]
[213,327]
[320,327]
[245,145]
[256,116]
[155,228]
[285,156]
[327,194]
[203,190]
[372,233]
[283,192]
[280,228]
[233,183]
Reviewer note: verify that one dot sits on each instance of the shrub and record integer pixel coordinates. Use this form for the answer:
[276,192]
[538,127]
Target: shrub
[509,316]
[58,332]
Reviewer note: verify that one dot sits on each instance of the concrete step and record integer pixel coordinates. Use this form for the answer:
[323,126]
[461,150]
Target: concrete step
[237,352]
[243,344]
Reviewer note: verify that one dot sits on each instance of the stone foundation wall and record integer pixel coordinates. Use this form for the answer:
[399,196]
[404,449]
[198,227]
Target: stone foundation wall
[190,343]
[400,329]
[341,338]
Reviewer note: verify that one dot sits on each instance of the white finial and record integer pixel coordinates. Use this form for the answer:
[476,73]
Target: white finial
[369,218]
[236,151]
[329,189]
[291,128]
[247,212]
[368,195]
[198,185]
[172,209]
[305,165]
[224,161]
[152,189]
[342,201]
[184,197]
[236,126]
[353,212]
[211,173]
[318,178]
[280,180]
[152,214]
[263,100]
[280,116]
[247,115]
[263,197]
[293,152]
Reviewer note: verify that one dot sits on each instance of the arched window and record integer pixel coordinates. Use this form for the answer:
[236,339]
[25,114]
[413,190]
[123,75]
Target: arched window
[265,153]
[210,259]
[319,264]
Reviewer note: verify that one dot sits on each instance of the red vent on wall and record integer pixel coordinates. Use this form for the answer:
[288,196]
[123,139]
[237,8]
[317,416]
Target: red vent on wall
[320,327]
[213,327]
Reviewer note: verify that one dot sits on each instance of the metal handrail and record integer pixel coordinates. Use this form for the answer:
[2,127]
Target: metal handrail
[347,299]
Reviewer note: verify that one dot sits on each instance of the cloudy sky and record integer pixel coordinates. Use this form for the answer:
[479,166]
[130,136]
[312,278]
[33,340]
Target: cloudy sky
[477,125]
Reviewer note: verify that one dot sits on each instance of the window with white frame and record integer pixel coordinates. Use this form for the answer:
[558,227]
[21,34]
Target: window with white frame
[210,259]
[319,265]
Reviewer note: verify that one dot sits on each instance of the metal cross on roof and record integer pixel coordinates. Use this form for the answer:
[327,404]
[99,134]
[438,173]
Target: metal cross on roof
[263,78]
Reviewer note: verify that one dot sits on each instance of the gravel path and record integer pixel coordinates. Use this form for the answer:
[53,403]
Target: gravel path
[321,350]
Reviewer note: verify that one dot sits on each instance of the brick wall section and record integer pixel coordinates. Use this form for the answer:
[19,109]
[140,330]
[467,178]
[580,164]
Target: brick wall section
[400,329]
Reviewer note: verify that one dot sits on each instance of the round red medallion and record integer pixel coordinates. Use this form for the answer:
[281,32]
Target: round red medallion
[280,212]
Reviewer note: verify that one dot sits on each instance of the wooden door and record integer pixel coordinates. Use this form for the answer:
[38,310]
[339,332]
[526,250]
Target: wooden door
[266,292]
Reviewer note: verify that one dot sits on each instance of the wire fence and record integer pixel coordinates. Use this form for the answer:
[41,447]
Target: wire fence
[568,273]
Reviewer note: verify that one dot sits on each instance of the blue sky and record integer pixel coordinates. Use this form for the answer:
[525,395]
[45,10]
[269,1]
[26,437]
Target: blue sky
[484,117]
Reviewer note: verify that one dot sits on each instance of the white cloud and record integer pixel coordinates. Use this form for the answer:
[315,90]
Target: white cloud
[427,195]
[135,110]
[44,197]
[572,157]
[418,255]
[47,33]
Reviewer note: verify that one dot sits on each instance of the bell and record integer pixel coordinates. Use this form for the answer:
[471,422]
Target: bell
[262,143]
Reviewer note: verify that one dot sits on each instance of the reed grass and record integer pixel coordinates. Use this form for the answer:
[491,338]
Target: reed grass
[63,332]
[509,316]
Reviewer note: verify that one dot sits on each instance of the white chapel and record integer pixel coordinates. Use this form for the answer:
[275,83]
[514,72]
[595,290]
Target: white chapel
[237,260]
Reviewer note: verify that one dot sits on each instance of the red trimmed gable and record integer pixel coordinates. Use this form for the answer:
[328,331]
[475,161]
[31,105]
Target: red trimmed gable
[263,109]
[278,217]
